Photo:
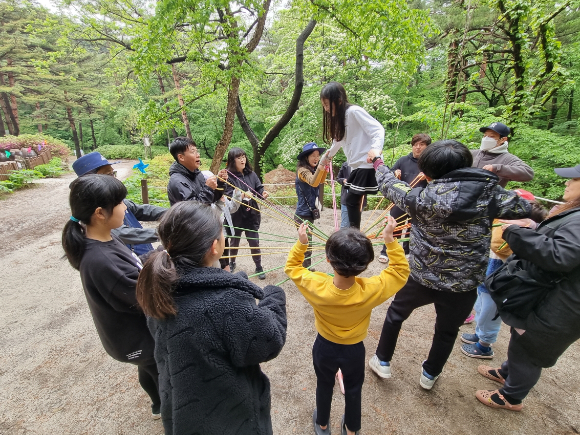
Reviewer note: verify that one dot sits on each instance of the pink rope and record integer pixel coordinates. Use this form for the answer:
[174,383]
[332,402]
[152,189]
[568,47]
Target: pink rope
[336,227]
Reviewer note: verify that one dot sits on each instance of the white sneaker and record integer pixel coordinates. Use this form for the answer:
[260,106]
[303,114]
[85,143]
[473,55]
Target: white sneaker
[381,371]
[426,382]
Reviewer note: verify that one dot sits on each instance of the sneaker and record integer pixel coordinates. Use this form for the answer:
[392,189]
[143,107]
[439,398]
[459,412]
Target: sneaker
[156,412]
[494,399]
[260,270]
[426,380]
[232,266]
[383,259]
[469,319]
[381,368]
[469,338]
[475,350]
[317,429]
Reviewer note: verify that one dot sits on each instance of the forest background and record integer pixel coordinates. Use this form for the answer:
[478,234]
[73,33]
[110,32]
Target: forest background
[102,73]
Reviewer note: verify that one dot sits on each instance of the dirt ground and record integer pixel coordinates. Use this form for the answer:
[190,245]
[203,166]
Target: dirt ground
[55,376]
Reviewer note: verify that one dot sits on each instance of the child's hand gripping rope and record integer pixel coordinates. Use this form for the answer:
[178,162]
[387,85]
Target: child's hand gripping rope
[389,229]
[303,233]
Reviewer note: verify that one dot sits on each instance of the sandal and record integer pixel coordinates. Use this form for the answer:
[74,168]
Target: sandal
[383,259]
[484,396]
[490,373]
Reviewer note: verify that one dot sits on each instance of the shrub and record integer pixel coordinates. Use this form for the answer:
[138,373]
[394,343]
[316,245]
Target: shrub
[18,179]
[57,147]
[51,169]
[130,152]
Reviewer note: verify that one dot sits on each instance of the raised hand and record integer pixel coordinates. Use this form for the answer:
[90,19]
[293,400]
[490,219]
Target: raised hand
[303,233]
[211,182]
[388,231]
[223,174]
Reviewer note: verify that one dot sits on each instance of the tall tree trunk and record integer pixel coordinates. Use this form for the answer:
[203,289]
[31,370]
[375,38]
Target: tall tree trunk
[7,109]
[259,147]
[570,107]
[222,146]
[553,112]
[81,134]
[39,125]
[13,102]
[162,87]
[181,103]
[93,135]
[2,129]
[71,122]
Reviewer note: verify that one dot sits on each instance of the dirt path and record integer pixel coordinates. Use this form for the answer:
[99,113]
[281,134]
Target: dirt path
[56,378]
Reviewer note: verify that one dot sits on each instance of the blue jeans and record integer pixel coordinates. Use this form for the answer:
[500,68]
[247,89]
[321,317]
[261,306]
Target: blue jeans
[485,309]
[345,222]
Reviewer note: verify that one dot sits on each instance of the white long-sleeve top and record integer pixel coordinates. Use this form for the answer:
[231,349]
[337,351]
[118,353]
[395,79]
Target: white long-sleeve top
[362,133]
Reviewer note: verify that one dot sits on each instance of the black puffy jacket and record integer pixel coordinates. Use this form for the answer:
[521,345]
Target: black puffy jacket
[208,355]
[451,224]
[555,248]
[185,185]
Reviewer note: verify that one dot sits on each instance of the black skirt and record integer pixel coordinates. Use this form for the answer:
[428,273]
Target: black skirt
[362,182]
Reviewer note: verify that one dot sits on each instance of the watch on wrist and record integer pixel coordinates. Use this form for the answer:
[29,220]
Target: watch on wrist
[376,158]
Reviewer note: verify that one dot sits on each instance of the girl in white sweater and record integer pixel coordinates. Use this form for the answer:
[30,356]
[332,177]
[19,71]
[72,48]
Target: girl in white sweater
[352,128]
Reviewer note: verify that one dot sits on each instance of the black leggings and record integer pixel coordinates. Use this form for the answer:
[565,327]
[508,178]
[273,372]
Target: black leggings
[253,240]
[353,203]
[148,379]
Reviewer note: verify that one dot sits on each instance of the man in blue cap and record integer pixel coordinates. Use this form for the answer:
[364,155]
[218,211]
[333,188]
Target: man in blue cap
[493,156]
[137,238]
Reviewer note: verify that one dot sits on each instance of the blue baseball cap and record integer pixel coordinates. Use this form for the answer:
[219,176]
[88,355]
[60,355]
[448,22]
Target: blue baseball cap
[501,129]
[89,162]
[309,148]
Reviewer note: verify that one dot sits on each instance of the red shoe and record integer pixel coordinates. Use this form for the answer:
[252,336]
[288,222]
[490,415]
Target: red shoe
[470,319]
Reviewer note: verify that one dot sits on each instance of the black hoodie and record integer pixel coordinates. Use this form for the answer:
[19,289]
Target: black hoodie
[209,354]
[185,185]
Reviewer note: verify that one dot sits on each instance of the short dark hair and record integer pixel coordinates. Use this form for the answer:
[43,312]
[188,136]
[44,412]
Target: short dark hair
[180,145]
[349,252]
[443,157]
[233,154]
[421,137]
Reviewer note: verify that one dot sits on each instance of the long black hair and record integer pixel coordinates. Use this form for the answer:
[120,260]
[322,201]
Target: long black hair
[232,156]
[86,195]
[187,230]
[334,125]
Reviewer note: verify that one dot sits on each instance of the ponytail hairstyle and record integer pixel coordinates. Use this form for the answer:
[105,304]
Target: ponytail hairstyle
[187,230]
[88,193]
[334,125]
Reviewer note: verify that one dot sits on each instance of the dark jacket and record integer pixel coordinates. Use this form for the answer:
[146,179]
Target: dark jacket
[246,217]
[131,233]
[451,224]
[409,167]
[507,166]
[109,272]
[208,355]
[554,247]
[185,185]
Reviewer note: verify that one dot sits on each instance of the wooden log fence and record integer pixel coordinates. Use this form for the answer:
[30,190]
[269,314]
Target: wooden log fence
[23,163]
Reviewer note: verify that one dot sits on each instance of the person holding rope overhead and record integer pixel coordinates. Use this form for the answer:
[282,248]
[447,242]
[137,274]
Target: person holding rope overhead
[351,128]
[248,217]
[309,175]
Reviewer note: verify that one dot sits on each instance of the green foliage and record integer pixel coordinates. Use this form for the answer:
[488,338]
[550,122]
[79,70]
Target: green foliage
[51,169]
[19,179]
[57,147]
[131,152]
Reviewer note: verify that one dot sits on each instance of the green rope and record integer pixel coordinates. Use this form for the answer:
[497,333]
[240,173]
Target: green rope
[280,267]
[312,265]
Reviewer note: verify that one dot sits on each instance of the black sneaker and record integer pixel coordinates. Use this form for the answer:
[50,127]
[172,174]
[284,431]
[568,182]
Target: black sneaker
[260,270]
[156,411]
[232,266]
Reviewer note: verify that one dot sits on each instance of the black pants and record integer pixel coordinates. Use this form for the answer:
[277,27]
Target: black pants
[451,308]
[299,219]
[148,379]
[396,212]
[253,240]
[328,357]
[519,373]
[353,207]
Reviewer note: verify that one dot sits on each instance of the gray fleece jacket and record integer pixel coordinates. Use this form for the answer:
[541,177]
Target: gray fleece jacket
[506,166]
